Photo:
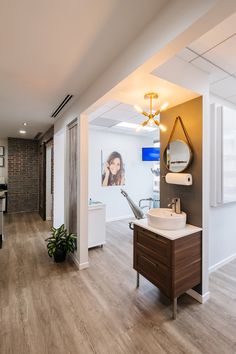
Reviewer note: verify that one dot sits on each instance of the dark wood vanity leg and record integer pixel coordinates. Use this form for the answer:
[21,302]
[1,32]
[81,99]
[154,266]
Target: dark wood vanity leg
[174,311]
[137,284]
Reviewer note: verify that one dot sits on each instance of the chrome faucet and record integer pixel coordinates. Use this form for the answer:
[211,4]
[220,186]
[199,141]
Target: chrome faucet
[175,205]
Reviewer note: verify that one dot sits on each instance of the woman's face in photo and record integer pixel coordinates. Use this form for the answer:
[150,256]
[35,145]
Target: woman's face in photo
[114,166]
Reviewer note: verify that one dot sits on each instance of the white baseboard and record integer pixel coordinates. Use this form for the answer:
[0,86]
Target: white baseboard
[120,218]
[222,263]
[79,265]
[83,265]
[200,298]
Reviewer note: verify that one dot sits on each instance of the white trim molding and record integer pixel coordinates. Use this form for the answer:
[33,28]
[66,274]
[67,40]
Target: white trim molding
[200,298]
[222,263]
[83,265]
[79,265]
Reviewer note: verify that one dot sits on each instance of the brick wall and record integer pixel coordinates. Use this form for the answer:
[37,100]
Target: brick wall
[23,181]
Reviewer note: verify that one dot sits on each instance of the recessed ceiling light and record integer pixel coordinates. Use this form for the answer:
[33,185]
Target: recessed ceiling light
[127,125]
[24,124]
[135,126]
[22,131]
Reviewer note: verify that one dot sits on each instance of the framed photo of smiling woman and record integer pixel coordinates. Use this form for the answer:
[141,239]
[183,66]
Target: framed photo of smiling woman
[113,169]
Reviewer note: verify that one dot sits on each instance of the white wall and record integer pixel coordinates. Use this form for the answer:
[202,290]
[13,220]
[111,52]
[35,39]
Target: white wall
[222,223]
[4,170]
[138,176]
[221,102]
[222,235]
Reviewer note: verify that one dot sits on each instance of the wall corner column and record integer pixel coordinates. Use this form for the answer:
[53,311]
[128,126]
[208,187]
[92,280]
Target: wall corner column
[82,192]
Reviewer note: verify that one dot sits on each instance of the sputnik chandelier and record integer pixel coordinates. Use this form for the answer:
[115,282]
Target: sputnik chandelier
[151,121]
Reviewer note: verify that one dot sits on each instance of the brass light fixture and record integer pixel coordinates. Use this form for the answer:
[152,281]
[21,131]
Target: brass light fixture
[150,121]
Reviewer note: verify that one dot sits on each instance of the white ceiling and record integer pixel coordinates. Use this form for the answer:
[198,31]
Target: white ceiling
[106,117]
[215,53]
[52,48]
[130,92]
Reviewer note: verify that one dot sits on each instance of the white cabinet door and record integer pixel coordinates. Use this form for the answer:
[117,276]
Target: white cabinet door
[223,155]
[96,225]
[229,154]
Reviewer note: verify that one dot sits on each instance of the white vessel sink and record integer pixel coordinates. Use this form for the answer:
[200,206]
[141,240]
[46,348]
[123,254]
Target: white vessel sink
[165,219]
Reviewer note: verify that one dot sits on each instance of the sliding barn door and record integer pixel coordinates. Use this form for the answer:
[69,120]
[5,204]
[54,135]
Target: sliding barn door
[49,180]
[72,178]
[42,181]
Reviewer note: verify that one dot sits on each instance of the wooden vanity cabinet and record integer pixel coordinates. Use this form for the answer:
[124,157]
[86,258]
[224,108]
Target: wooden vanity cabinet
[174,266]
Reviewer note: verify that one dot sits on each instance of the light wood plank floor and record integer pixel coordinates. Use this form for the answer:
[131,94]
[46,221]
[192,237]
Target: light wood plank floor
[53,308]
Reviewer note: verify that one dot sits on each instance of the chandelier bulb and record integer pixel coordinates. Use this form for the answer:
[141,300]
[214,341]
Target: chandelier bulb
[138,109]
[151,122]
[162,127]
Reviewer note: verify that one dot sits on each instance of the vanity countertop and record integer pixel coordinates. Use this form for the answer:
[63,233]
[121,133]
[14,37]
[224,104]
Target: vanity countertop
[96,205]
[170,234]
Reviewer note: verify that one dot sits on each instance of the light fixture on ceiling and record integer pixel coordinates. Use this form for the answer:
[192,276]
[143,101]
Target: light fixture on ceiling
[129,125]
[22,131]
[24,124]
[152,114]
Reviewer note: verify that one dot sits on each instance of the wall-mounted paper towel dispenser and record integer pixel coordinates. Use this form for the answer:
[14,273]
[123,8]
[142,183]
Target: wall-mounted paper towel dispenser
[184,179]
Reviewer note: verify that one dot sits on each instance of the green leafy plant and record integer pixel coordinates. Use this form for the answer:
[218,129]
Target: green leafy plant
[60,241]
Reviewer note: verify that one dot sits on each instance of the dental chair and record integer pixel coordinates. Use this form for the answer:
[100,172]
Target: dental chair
[138,213]
[138,209]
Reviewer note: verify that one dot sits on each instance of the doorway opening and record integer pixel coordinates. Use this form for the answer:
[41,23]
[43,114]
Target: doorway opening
[120,164]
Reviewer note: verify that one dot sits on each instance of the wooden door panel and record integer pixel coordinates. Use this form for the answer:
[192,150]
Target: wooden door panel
[73,179]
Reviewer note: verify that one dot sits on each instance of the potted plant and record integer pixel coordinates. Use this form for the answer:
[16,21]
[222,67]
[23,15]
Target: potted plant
[60,242]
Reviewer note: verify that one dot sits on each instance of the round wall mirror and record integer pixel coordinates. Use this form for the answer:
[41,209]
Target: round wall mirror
[177,156]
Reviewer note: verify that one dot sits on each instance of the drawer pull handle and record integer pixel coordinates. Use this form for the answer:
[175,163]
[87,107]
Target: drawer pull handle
[154,264]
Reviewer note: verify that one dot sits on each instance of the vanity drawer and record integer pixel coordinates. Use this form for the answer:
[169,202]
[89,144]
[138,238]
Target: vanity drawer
[154,245]
[157,273]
